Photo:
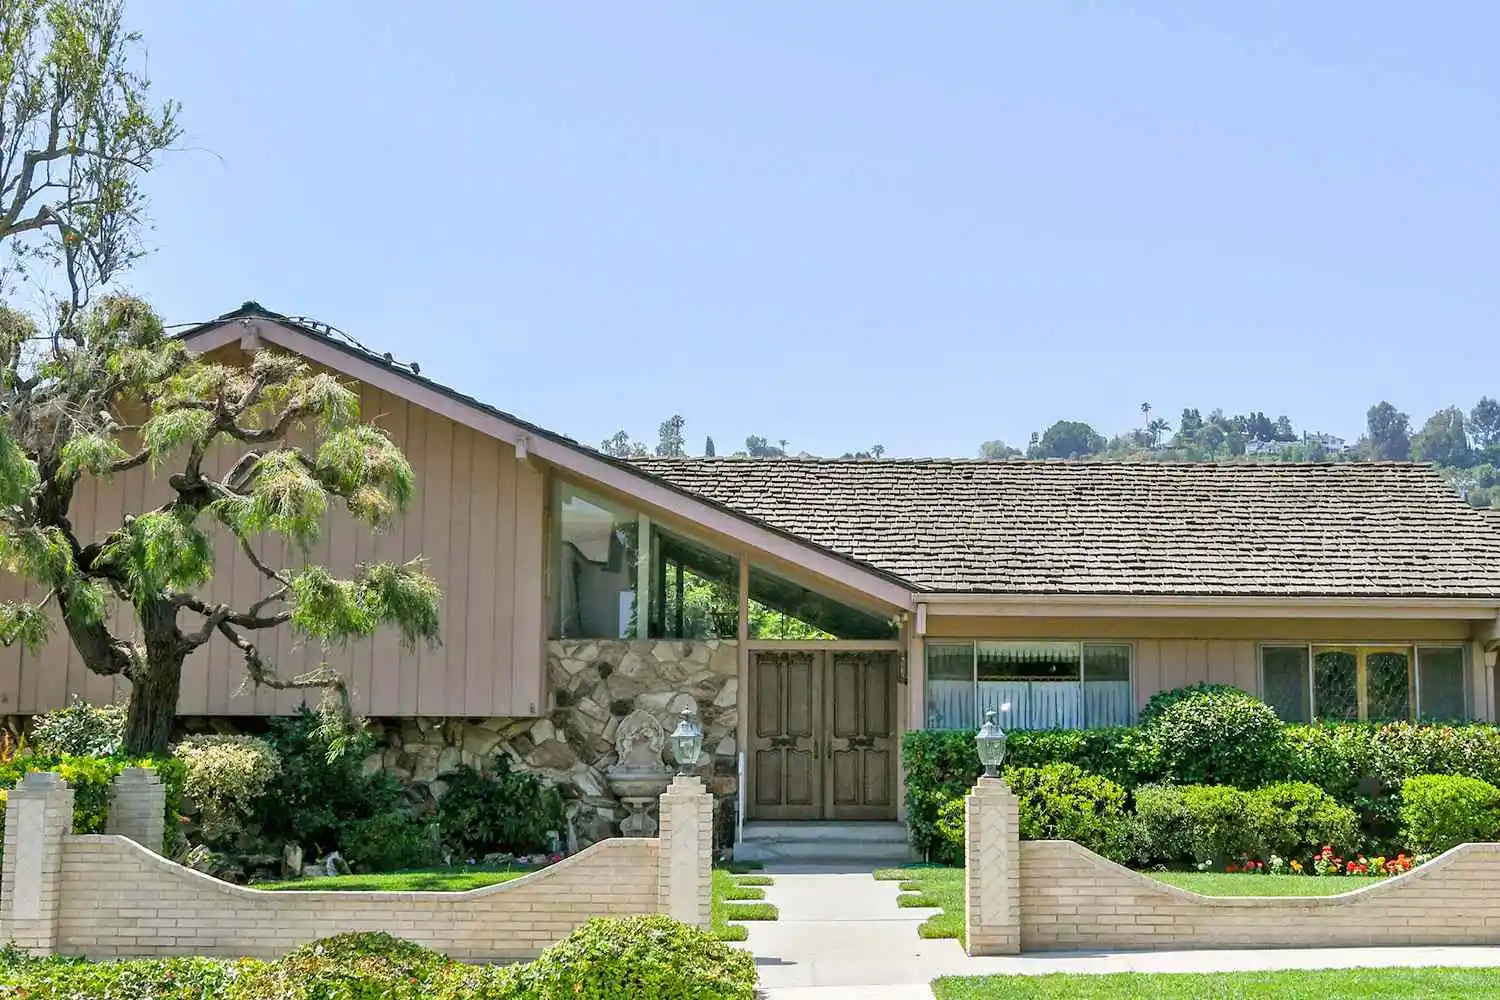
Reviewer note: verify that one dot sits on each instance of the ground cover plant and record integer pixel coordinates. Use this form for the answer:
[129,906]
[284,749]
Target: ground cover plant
[608,959]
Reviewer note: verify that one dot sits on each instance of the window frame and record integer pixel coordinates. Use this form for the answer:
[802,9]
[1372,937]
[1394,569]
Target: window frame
[1361,649]
[1082,644]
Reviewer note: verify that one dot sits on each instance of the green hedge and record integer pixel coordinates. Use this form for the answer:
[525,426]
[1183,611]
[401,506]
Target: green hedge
[1056,802]
[1216,824]
[1441,811]
[90,778]
[618,959]
[1361,765]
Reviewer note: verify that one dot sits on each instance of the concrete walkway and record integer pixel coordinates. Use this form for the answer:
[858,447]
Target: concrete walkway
[842,937]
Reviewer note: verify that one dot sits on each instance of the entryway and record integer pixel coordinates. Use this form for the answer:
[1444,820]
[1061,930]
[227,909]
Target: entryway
[823,739]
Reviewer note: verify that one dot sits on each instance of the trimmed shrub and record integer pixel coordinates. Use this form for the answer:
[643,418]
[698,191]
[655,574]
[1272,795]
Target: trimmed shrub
[1442,811]
[1221,824]
[943,764]
[1161,831]
[1219,738]
[156,979]
[1064,802]
[951,822]
[1293,819]
[1158,703]
[226,778]
[632,957]
[80,730]
[506,811]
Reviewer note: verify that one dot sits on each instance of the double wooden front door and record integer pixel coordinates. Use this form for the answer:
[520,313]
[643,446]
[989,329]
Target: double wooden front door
[823,735]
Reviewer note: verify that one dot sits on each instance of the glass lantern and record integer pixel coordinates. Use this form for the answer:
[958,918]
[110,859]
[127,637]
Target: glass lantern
[687,743]
[991,743]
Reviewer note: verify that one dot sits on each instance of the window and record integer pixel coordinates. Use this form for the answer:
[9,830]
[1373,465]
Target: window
[1374,683]
[1284,682]
[604,556]
[1035,685]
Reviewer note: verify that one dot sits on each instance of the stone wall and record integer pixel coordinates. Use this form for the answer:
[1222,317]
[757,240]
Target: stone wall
[593,685]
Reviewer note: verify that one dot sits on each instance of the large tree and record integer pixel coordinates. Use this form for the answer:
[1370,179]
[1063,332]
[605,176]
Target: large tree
[1389,433]
[1067,439]
[1484,425]
[257,454]
[1444,439]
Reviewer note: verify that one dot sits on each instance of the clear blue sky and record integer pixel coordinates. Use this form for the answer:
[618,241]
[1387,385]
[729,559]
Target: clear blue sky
[848,223]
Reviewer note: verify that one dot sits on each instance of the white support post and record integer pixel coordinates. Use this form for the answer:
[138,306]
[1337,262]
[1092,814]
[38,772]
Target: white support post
[992,869]
[687,840]
[38,817]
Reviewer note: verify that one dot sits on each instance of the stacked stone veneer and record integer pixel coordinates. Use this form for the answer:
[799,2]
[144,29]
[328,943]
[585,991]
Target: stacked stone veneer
[1054,895]
[593,684]
[108,896]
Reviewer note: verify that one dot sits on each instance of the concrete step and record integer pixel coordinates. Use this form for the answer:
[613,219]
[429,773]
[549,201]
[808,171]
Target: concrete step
[881,833]
[866,844]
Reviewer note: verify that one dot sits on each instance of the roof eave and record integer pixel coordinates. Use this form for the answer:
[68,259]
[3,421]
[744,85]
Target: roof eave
[1209,606]
[251,328]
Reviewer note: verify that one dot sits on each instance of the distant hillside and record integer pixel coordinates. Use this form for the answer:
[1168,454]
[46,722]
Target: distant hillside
[1465,446]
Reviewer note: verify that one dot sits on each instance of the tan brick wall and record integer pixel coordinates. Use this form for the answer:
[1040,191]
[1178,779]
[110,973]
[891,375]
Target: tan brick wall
[119,899]
[1072,899]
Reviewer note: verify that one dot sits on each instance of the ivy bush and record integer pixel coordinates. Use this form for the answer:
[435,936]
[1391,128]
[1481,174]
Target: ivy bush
[1440,811]
[322,792]
[504,811]
[614,959]
[633,957]
[226,777]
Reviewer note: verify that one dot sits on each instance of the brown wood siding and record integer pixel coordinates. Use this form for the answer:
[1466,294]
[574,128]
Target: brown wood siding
[477,519]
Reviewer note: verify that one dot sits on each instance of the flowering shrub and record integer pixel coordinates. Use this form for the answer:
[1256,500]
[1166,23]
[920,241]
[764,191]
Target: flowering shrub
[81,729]
[226,776]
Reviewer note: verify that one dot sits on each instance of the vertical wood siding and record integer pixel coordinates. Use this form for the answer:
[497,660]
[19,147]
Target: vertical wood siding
[477,519]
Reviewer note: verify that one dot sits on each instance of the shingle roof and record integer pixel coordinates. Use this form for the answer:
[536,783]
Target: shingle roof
[1015,527]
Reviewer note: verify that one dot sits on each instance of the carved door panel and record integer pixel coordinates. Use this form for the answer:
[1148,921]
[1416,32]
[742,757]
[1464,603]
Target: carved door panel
[860,757]
[787,701]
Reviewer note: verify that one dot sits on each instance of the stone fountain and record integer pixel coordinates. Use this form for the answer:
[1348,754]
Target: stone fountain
[640,778]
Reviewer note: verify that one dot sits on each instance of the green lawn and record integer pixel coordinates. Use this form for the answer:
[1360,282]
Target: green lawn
[419,880]
[944,887]
[1342,984]
[733,899]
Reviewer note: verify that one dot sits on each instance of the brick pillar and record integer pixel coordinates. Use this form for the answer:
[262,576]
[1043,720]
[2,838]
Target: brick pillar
[38,816]
[992,869]
[687,841]
[137,807]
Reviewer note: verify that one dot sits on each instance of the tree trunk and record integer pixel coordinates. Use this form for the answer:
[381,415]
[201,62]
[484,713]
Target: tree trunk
[154,685]
[153,708]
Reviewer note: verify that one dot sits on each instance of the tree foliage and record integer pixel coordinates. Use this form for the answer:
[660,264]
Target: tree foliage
[1067,439]
[257,453]
[1389,433]
[77,131]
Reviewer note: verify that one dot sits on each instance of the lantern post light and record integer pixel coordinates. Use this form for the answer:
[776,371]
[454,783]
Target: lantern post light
[991,743]
[687,743]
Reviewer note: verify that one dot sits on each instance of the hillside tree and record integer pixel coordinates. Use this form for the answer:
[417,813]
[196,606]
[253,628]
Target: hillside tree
[1444,439]
[1484,426]
[1067,439]
[1388,431]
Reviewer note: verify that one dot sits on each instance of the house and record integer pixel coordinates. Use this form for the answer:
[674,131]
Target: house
[811,611]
